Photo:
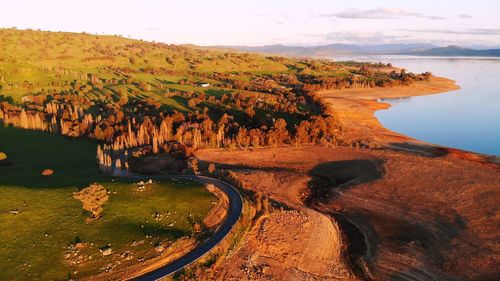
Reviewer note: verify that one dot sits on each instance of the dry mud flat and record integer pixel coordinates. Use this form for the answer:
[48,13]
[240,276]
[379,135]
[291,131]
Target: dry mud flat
[410,211]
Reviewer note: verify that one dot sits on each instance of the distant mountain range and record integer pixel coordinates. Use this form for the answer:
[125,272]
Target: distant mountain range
[383,49]
[457,51]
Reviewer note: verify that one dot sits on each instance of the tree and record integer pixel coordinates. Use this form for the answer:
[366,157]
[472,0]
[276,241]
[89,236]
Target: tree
[23,120]
[250,111]
[192,164]
[192,103]
[211,168]
[123,98]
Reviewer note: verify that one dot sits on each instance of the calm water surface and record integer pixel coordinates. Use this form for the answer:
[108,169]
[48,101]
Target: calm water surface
[468,118]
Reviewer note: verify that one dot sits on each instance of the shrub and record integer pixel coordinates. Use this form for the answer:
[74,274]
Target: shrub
[211,168]
[47,172]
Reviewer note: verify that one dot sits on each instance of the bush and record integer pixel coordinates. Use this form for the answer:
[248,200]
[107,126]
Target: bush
[211,168]
[47,172]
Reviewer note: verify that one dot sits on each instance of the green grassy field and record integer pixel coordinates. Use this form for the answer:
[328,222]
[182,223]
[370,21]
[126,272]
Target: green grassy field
[35,57]
[39,217]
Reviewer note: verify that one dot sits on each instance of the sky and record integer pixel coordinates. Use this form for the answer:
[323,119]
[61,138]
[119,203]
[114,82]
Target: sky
[264,22]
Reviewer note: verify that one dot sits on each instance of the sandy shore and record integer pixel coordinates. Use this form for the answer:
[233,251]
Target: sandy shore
[356,107]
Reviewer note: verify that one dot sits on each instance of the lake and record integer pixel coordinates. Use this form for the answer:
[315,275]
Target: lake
[468,118]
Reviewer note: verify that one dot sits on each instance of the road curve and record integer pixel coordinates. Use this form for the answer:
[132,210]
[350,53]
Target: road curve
[233,214]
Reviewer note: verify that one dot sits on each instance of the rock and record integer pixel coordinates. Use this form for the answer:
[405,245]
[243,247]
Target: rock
[47,172]
[106,251]
[126,255]
[160,248]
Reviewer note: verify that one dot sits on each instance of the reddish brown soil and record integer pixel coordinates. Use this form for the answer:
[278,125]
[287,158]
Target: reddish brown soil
[423,218]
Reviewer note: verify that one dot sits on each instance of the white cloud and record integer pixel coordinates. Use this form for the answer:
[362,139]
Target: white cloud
[380,13]
[362,37]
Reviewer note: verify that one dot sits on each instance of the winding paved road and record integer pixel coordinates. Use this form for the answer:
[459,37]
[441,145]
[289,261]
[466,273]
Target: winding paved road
[234,212]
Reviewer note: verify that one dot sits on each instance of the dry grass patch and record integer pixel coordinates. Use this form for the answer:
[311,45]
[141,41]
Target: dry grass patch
[93,199]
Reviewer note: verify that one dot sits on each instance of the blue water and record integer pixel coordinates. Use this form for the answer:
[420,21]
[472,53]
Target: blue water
[468,118]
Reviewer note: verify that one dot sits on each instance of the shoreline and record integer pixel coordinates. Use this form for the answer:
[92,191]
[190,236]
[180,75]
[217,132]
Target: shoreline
[357,107]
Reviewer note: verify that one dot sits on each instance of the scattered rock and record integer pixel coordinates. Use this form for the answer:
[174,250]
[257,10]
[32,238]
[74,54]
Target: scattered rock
[157,216]
[126,255]
[141,186]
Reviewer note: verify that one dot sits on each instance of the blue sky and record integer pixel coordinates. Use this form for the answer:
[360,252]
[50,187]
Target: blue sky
[260,22]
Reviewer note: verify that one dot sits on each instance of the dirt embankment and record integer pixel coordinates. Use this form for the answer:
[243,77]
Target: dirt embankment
[218,213]
[357,106]
[374,215]
[288,242]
